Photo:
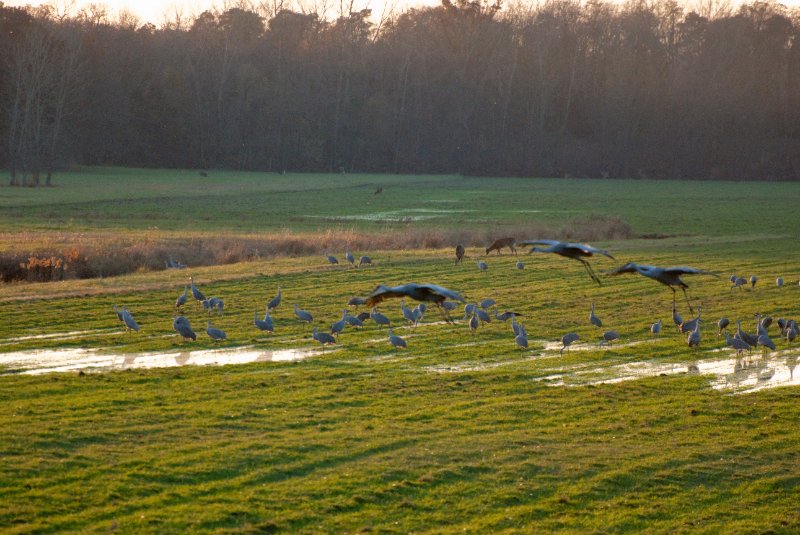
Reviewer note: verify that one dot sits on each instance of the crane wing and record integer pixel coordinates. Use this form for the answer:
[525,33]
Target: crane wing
[630,267]
[684,270]
[589,250]
[538,242]
[443,292]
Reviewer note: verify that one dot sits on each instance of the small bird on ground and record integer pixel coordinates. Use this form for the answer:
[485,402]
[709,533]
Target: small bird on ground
[567,340]
[396,341]
[214,333]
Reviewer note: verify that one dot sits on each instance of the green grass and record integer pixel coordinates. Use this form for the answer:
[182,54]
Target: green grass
[127,199]
[459,433]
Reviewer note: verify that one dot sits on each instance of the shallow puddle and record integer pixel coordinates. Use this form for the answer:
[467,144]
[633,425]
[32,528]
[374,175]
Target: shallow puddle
[57,336]
[737,374]
[408,214]
[33,362]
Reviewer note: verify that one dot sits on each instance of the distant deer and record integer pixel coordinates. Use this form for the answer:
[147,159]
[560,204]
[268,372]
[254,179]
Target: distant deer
[459,253]
[500,244]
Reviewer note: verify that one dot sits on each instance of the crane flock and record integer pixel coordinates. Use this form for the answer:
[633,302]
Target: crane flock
[477,314]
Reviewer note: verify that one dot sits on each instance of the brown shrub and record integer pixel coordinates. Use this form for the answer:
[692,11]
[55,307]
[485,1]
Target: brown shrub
[106,256]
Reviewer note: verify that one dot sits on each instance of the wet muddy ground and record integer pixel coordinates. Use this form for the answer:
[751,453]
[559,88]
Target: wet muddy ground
[726,370]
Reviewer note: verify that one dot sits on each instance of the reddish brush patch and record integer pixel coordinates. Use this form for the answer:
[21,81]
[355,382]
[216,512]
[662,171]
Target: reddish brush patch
[106,255]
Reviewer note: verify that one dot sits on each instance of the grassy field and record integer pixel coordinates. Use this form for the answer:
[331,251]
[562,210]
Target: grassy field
[183,201]
[460,432]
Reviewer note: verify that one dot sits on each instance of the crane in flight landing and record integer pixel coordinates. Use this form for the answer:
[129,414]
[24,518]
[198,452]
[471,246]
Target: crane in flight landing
[670,276]
[430,293]
[576,251]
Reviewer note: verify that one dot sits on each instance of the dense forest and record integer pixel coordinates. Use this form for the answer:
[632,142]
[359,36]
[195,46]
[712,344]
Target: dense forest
[561,88]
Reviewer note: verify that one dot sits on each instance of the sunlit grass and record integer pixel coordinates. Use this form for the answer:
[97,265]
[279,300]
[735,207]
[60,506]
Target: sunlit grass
[459,432]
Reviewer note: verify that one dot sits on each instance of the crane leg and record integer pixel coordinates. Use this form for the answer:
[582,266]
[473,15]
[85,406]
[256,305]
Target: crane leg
[591,272]
[445,315]
[687,299]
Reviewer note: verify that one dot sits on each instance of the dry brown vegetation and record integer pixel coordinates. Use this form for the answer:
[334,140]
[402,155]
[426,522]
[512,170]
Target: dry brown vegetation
[35,257]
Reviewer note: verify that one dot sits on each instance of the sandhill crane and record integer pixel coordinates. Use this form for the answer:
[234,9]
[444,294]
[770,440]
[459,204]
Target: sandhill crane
[130,323]
[608,337]
[766,343]
[483,266]
[364,260]
[173,264]
[738,282]
[522,340]
[575,251]
[689,325]
[669,277]
[449,306]
[736,343]
[275,301]
[379,318]
[753,281]
[349,257]
[214,333]
[486,303]
[118,312]
[473,322]
[747,337]
[760,328]
[507,315]
[567,340]
[212,304]
[677,319]
[501,244]
[396,341]
[594,320]
[196,293]
[323,338]
[182,327]
[765,321]
[363,316]
[408,314]
[520,265]
[422,308]
[356,301]
[418,313]
[182,298]
[331,259]
[469,309]
[459,253]
[517,328]
[265,324]
[694,337]
[790,333]
[483,315]
[722,324]
[338,327]
[655,329]
[355,321]
[779,282]
[430,293]
[302,315]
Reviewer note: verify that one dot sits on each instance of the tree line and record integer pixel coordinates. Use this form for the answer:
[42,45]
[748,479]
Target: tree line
[562,88]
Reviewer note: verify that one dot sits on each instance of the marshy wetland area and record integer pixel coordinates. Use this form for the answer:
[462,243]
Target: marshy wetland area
[108,429]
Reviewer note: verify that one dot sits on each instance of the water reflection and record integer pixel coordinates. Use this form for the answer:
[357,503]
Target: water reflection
[64,360]
[737,374]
